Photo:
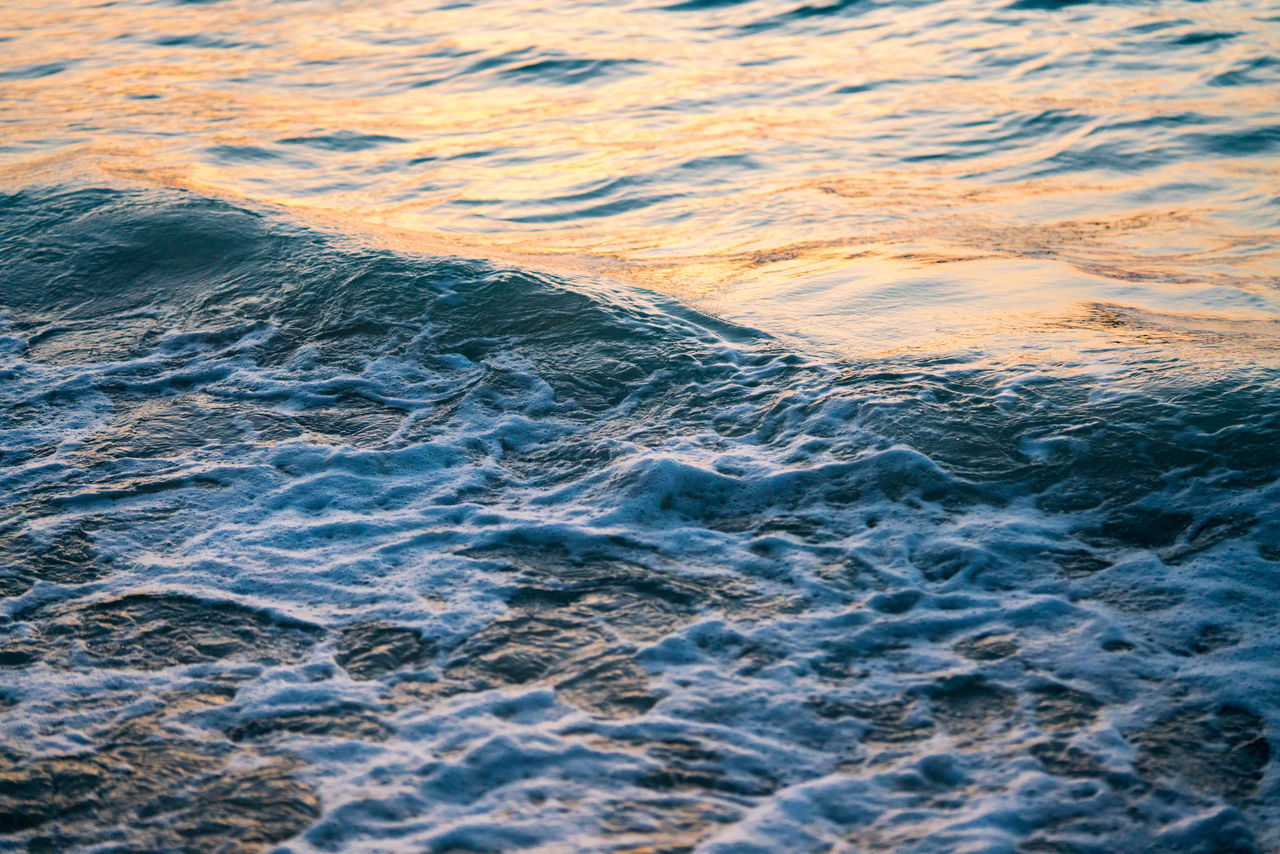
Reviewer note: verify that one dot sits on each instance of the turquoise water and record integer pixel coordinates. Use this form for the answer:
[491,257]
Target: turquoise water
[716,427]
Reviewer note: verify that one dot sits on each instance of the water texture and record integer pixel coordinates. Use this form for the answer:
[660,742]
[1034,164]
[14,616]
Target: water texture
[697,426]
[995,159]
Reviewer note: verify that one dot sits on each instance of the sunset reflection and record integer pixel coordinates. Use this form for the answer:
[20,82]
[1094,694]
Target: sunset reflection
[708,153]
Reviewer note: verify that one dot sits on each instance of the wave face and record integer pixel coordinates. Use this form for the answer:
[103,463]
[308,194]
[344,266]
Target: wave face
[339,548]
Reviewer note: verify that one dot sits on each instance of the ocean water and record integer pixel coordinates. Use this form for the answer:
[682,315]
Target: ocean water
[715,426]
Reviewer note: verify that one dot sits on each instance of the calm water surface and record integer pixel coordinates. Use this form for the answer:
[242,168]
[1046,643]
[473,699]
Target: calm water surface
[718,426]
[868,173]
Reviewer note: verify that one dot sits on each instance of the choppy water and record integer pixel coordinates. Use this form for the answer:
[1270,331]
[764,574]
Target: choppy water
[716,426]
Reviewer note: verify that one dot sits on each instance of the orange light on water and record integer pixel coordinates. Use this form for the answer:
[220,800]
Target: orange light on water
[708,153]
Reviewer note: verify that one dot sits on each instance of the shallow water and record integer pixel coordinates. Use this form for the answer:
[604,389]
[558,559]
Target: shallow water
[724,426]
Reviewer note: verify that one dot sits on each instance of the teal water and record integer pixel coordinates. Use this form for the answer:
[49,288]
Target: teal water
[716,427]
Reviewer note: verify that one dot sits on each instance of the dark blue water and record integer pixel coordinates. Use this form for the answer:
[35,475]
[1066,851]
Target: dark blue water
[719,427]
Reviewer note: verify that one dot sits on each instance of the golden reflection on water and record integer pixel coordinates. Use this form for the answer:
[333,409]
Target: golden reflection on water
[717,156]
